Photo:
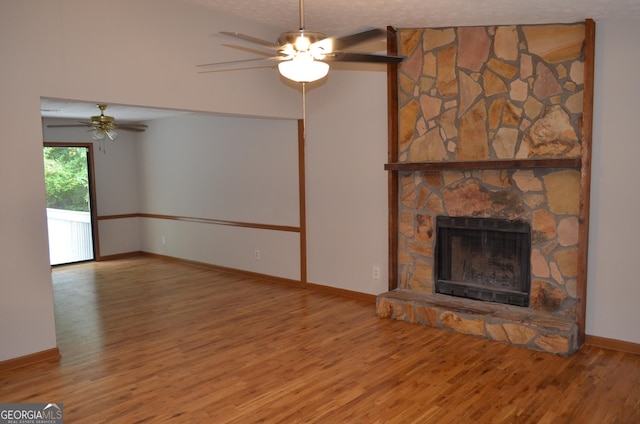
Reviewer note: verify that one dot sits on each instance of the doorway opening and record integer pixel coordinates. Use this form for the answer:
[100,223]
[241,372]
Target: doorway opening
[70,216]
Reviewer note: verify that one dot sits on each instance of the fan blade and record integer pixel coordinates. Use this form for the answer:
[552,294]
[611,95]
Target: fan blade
[361,57]
[235,69]
[250,39]
[67,125]
[230,62]
[340,43]
[129,128]
[247,49]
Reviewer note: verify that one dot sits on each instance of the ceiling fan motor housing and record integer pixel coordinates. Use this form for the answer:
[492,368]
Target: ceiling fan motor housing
[103,122]
[294,38]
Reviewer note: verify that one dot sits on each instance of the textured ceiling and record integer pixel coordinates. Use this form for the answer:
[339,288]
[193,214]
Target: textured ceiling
[342,17]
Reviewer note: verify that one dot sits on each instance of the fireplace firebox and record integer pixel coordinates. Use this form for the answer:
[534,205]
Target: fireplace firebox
[484,259]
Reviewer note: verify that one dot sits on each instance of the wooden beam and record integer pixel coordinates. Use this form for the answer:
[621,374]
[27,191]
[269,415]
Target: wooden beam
[585,177]
[485,164]
[392,156]
[303,202]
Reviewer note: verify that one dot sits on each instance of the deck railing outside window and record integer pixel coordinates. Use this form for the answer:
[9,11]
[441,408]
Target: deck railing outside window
[70,238]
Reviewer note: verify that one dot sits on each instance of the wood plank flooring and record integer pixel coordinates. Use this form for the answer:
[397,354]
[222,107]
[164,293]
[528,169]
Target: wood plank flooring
[147,341]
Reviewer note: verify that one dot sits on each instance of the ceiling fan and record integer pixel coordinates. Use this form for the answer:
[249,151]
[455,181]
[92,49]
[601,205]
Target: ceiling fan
[304,56]
[103,126]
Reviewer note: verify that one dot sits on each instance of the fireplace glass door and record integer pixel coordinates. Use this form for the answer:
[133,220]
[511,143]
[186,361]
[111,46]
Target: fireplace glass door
[483,258]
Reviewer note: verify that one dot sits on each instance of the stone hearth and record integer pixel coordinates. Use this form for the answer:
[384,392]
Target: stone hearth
[504,323]
[490,94]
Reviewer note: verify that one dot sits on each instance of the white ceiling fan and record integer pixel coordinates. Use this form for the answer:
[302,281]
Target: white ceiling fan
[304,56]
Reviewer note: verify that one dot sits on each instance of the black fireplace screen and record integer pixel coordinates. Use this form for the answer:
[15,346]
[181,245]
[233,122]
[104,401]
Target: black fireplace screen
[484,259]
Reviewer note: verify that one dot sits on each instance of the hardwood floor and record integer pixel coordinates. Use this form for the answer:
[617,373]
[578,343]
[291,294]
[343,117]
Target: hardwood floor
[144,340]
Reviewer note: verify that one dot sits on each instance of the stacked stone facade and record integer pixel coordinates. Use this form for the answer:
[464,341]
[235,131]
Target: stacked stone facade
[489,94]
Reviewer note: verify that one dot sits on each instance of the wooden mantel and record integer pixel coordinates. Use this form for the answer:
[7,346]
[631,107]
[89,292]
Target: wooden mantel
[575,163]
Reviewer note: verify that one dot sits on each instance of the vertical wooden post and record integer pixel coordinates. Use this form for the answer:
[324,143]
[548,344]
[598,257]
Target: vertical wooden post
[392,156]
[585,177]
[302,201]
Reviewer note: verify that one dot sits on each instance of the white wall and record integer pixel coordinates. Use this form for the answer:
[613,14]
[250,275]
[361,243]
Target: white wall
[145,53]
[116,184]
[231,247]
[222,168]
[613,288]
[200,166]
[238,169]
[26,300]
[49,49]
[346,182]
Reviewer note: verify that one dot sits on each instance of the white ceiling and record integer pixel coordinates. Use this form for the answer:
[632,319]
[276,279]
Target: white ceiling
[342,17]
[59,108]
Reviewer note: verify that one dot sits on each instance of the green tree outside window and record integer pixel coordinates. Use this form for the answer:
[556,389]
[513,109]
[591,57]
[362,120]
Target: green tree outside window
[66,178]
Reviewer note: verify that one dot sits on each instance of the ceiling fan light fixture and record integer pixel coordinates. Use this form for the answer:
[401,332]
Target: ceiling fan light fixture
[98,135]
[302,43]
[303,68]
[112,134]
[103,126]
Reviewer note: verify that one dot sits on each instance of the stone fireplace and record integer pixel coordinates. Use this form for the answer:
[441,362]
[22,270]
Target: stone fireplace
[489,170]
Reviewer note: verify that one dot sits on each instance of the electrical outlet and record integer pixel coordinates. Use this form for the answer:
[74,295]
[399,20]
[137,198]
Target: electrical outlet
[376,272]
[256,254]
